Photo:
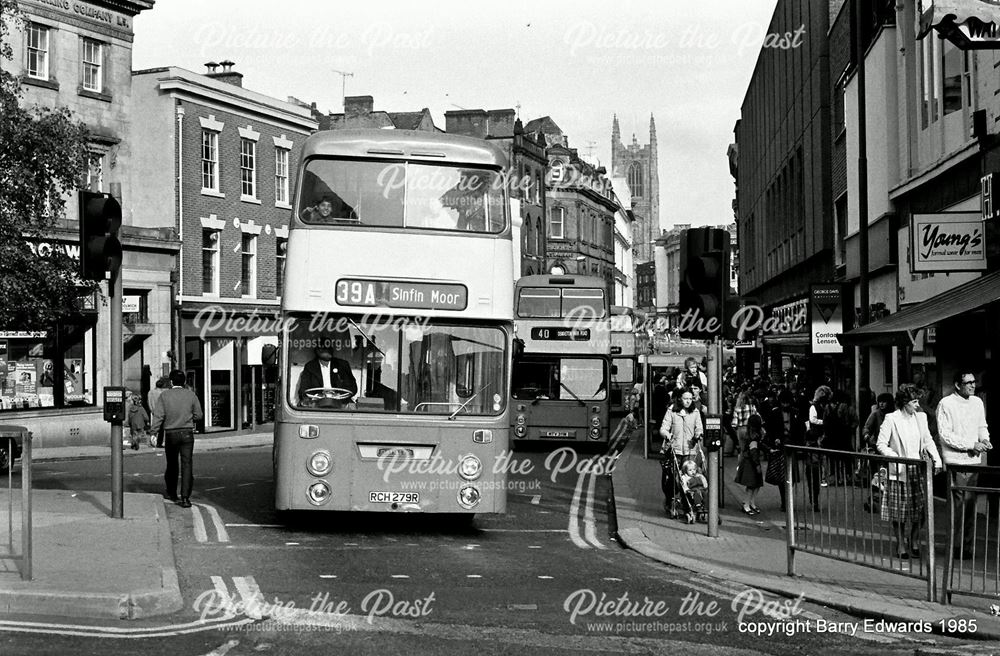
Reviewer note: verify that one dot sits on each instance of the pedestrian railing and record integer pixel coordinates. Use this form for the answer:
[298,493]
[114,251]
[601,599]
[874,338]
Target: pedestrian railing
[836,502]
[972,562]
[9,449]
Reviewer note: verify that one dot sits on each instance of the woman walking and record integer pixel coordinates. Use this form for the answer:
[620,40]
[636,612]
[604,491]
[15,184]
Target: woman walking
[743,409]
[682,433]
[904,434]
[816,437]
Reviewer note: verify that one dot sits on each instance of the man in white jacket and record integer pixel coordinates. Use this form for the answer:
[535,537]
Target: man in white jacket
[964,437]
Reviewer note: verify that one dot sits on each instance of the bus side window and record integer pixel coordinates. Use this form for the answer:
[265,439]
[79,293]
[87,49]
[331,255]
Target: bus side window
[465,375]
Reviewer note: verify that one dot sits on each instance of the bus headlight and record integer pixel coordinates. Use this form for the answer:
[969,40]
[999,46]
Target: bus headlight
[520,431]
[308,432]
[595,422]
[319,493]
[471,468]
[320,463]
[521,421]
[595,433]
[469,497]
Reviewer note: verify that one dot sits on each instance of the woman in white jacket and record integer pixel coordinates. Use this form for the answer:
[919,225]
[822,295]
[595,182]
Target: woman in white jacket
[904,434]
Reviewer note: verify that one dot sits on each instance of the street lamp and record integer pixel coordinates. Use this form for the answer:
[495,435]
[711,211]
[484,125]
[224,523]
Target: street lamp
[580,259]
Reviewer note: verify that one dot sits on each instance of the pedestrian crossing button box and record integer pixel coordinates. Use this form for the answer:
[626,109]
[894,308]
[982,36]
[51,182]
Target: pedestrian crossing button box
[114,405]
[713,432]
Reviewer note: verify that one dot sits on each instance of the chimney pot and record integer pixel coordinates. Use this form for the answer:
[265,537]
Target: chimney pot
[211,66]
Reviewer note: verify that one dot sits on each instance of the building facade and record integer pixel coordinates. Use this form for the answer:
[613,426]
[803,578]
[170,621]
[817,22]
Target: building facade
[624,244]
[234,156]
[79,56]
[525,177]
[638,164]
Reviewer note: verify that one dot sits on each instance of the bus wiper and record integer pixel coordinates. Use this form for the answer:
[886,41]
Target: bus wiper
[562,385]
[365,335]
[462,407]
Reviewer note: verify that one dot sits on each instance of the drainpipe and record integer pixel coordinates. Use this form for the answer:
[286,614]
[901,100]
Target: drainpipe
[175,312]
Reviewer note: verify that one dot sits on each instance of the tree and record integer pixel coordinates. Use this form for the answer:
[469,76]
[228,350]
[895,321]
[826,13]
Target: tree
[43,157]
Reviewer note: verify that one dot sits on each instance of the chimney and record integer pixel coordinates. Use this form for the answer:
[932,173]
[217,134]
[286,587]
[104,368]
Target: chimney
[355,106]
[468,122]
[227,74]
[500,122]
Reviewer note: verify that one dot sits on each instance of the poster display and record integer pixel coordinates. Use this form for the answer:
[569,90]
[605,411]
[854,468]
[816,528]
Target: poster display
[826,309]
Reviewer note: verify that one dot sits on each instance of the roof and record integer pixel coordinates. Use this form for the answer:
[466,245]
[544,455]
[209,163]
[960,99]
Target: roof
[419,144]
[900,328]
[545,125]
[407,120]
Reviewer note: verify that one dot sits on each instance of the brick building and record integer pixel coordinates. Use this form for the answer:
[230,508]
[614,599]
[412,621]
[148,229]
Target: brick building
[218,162]
[78,56]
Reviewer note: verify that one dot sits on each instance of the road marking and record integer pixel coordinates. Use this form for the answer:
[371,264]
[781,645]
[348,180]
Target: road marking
[473,576]
[245,484]
[534,546]
[522,606]
[589,524]
[220,528]
[400,576]
[574,509]
[213,489]
[199,525]
[90,631]
[291,544]
[328,576]
[231,525]
[250,592]
[350,544]
[611,578]
[535,500]
[545,578]
[223,649]
[523,530]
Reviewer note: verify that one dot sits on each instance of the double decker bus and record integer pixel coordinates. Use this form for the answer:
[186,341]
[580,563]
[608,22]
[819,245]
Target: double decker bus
[623,357]
[561,377]
[397,326]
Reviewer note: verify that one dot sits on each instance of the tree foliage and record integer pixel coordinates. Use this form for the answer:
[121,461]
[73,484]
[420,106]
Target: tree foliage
[43,157]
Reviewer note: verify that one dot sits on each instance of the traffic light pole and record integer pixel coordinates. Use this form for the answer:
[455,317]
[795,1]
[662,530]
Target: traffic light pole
[714,455]
[117,471]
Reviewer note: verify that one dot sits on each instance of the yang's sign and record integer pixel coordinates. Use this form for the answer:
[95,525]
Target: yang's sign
[949,241]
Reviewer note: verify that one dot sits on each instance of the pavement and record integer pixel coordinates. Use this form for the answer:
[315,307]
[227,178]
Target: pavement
[86,564]
[752,551]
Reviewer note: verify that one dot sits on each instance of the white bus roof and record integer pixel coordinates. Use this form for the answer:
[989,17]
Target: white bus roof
[404,144]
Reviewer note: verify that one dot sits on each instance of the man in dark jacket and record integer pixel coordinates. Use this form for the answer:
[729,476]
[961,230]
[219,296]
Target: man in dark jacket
[176,411]
[326,375]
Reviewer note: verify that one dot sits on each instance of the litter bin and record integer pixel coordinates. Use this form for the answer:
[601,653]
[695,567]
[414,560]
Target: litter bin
[11,443]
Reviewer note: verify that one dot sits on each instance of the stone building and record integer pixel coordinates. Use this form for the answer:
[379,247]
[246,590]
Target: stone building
[638,164]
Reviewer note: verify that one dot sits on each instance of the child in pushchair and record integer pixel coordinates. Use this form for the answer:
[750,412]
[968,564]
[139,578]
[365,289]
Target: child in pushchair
[695,487]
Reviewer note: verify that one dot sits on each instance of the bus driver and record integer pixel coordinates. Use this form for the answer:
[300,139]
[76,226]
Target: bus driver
[326,381]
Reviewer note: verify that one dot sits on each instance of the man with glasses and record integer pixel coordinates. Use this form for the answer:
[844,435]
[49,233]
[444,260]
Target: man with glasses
[964,438]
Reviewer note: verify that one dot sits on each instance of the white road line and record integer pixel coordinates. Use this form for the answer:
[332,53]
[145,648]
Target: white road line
[522,530]
[245,484]
[213,489]
[219,584]
[589,525]
[574,509]
[220,528]
[89,631]
[545,578]
[291,544]
[611,578]
[250,592]
[199,525]
[328,576]
[400,576]
[232,525]
[473,576]
[535,500]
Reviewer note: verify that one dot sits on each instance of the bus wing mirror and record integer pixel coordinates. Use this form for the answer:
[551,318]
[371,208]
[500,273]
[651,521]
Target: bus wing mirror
[614,370]
[518,350]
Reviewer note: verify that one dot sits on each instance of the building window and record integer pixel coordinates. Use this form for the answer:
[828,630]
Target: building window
[539,237]
[281,176]
[92,58]
[557,218]
[38,51]
[951,88]
[248,168]
[95,172]
[135,306]
[539,187]
[635,184]
[280,247]
[209,160]
[249,268]
[210,261]
[929,72]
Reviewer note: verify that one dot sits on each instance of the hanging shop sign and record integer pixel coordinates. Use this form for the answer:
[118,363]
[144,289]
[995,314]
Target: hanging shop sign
[947,241]
[826,310]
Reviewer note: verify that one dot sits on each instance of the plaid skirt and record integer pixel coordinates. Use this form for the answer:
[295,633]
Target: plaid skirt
[903,500]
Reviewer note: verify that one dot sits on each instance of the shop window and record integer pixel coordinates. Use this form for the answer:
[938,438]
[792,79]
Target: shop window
[39,371]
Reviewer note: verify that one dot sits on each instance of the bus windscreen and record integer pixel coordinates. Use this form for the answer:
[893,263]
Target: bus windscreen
[555,378]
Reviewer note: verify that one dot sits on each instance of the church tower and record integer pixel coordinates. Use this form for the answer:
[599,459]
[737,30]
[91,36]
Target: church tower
[638,165]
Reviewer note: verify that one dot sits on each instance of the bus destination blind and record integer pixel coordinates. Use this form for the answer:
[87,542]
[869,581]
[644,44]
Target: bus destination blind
[401,294]
[561,334]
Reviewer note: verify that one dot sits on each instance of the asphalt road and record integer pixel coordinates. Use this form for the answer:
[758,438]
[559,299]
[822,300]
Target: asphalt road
[542,579]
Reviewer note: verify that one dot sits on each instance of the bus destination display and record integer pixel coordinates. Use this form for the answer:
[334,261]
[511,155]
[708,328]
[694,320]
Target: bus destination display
[561,334]
[401,294]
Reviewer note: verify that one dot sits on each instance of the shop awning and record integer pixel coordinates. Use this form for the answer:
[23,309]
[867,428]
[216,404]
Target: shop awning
[900,329]
[967,23]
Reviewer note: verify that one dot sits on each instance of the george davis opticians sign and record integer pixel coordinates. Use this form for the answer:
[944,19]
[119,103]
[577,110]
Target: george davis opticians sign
[947,241]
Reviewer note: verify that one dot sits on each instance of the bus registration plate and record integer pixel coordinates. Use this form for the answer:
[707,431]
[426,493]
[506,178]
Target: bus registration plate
[558,433]
[393,497]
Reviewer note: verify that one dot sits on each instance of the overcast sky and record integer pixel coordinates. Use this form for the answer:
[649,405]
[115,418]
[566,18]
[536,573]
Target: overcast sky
[686,63]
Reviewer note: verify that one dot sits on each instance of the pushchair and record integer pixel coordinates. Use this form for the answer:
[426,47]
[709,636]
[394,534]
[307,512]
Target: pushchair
[678,502]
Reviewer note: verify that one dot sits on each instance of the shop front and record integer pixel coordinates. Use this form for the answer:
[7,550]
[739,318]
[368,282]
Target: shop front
[232,366]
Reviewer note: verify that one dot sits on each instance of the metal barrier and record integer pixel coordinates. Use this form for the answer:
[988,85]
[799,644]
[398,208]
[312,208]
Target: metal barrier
[10,447]
[836,505]
[972,566]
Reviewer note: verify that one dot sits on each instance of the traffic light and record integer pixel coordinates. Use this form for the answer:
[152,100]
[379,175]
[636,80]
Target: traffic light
[704,283]
[100,250]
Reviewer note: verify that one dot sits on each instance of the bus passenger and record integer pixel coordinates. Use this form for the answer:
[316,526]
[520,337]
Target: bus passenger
[330,208]
[322,377]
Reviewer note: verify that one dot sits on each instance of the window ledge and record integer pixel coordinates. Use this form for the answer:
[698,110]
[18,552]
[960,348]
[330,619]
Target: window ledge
[249,199]
[212,192]
[93,95]
[38,82]
[283,206]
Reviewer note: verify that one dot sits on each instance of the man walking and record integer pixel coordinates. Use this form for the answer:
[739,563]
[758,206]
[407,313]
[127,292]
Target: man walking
[964,436]
[177,409]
